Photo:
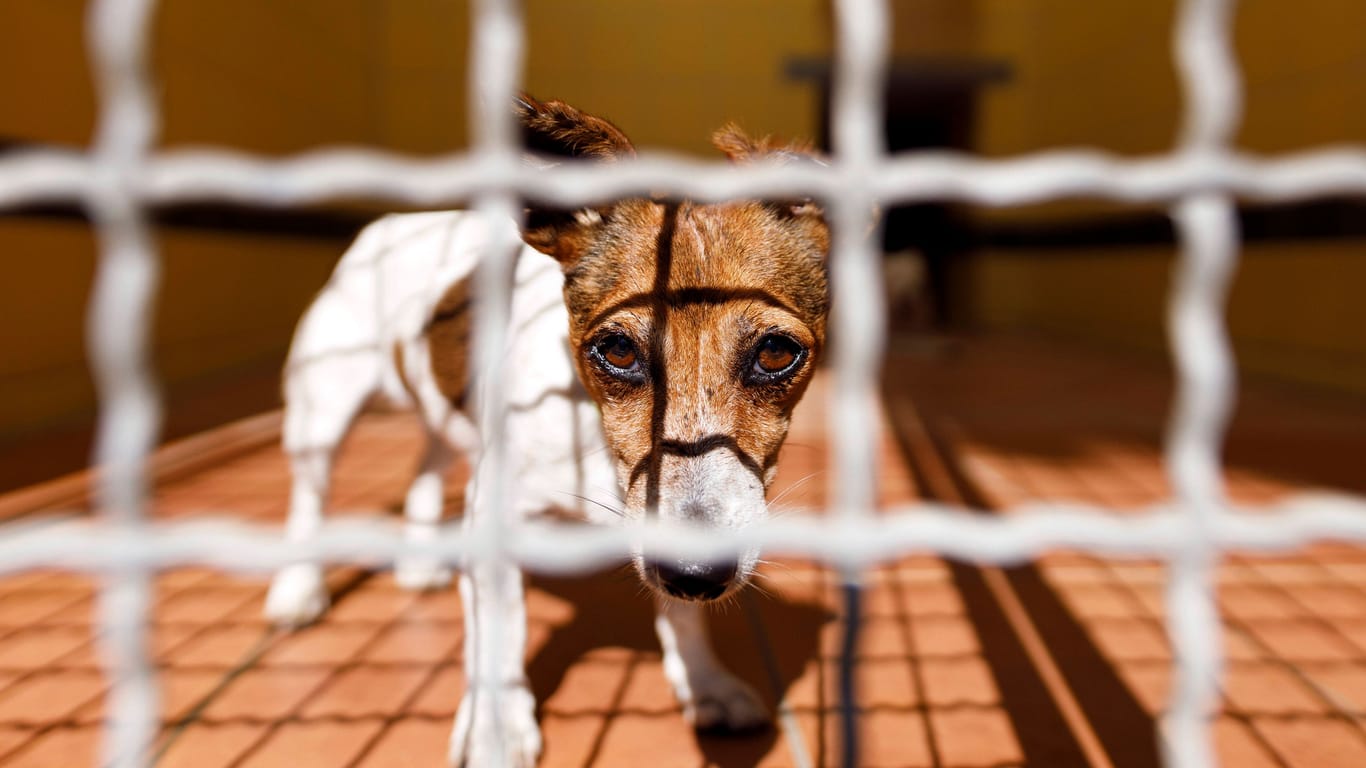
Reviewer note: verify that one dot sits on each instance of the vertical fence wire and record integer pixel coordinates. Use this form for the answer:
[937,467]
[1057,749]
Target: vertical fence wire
[857,308]
[118,331]
[1207,229]
[858,312]
[495,75]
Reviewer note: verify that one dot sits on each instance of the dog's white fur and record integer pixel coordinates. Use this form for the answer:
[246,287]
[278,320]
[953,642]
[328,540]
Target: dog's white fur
[382,295]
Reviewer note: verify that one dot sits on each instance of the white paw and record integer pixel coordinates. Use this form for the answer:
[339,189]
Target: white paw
[298,596]
[473,742]
[420,573]
[721,702]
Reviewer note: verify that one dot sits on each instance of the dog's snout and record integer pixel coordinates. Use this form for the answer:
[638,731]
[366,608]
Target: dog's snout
[695,581]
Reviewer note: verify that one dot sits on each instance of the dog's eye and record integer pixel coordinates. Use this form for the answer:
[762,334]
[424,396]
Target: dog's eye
[776,356]
[617,353]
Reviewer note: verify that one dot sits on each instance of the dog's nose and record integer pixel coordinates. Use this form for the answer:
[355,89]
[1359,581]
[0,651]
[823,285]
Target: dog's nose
[695,581]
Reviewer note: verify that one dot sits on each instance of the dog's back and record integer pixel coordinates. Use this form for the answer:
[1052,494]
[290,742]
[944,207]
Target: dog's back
[394,324]
[382,293]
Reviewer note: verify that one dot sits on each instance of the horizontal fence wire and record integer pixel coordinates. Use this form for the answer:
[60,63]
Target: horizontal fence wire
[122,176]
[35,176]
[1019,533]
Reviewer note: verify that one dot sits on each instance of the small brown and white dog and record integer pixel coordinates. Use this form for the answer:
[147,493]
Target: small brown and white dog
[653,363]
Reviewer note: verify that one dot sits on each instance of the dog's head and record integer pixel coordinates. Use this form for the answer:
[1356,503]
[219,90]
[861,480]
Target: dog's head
[696,328]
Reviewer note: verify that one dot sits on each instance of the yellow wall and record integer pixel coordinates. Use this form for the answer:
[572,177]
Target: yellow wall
[1093,74]
[282,77]
[670,73]
[44,84]
[230,302]
[48,267]
[1295,312]
[1100,74]
[1305,68]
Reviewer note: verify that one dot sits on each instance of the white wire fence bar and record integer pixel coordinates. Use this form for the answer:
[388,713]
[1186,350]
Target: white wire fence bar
[858,313]
[200,175]
[1020,533]
[494,76]
[118,329]
[122,176]
[1208,234]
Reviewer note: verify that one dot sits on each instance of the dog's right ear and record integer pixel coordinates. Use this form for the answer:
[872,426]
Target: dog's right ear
[554,132]
[558,131]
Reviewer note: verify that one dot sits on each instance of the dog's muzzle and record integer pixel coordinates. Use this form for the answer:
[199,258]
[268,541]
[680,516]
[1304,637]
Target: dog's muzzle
[694,581]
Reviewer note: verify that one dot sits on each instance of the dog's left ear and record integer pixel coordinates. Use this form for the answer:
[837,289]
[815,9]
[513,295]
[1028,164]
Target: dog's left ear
[737,145]
[554,132]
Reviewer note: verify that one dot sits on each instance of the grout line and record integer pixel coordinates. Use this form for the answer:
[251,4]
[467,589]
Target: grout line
[613,708]
[916,662]
[248,660]
[1339,709]
[940,485]
[401,713]
[1131,595]
[40,730]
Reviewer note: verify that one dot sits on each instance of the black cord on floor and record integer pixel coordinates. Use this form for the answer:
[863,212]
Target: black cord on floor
[853,594]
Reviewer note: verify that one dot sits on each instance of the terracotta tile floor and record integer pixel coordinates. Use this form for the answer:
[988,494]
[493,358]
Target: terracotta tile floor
[1060,662]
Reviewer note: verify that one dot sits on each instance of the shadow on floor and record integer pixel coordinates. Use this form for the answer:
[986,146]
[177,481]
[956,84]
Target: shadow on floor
[1124,729]
[610,611]
[1057,401]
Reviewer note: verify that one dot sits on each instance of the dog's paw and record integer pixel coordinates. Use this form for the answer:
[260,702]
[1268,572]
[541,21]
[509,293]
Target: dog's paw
[473,742]
[420,574]
[298,596]
[720,702]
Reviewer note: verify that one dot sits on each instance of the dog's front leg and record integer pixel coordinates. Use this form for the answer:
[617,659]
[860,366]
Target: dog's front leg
[713,699]
[497,716]
[422,508]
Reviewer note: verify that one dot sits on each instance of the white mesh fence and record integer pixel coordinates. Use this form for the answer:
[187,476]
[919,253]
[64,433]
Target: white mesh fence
[121,176]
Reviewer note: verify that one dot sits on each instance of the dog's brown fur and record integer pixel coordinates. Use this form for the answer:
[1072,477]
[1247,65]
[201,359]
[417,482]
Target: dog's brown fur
[448,336]
[695,287]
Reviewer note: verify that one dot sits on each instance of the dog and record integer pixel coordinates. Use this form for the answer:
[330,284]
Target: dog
[656,349]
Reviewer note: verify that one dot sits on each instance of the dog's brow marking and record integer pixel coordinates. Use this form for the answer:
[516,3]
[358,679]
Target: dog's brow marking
[700,447]
[682,297]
